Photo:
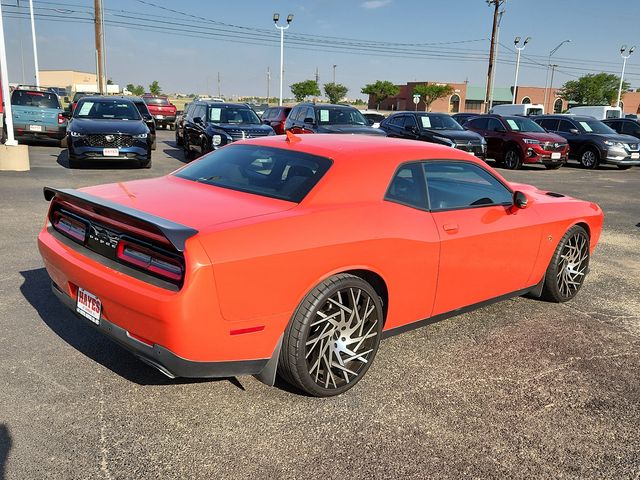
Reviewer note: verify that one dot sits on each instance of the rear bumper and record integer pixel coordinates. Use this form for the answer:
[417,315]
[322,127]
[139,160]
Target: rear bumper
[48,132]
[161,358]
[162,119]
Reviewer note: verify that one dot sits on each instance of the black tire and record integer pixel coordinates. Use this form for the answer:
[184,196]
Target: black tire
[624,167]
[146,164]
[74,162]
[512,158]
[172,126]
[589,158]
[179,140]
[564,277]
[301,365]
[552,166]
[153,145]
[3,136]
[188,153]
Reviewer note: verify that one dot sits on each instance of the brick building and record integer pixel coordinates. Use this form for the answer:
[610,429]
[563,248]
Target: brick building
[468,98]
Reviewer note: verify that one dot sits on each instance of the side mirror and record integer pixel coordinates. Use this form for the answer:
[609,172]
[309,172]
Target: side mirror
[309,120]
[520,200]
[574,131]
[370,121]
[197,119]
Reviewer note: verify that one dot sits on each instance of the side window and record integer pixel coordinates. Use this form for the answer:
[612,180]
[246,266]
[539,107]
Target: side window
[297,113]
[479,123]
[410,121]
[266,115]
[566,126]
[495,125]
[310,114]
[407,186]
[398,121]
[630,128]
[459,185]
[549,124]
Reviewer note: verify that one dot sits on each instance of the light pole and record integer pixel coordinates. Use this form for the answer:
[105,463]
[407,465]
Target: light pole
[334,74]
[515,82]
[35,48]
[624,64]
[276,17]
[548,66]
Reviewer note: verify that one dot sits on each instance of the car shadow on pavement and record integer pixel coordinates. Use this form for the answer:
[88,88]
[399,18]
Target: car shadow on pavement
[36,289]
[63,160]
[174,151]
[5,448]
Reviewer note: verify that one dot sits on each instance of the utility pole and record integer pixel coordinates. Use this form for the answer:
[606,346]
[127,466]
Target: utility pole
[97,5]
[334,73]
[495,58]
[553,69]
[496,4]
[219,96]
[268,82]
[317,77]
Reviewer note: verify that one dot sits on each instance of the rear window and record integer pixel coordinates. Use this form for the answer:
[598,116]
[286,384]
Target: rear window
[265,171]
[26,98]
[155,101]
[340,116]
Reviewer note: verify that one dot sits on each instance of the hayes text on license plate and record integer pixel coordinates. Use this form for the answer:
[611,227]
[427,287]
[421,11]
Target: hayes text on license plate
[110,152]
[88,305]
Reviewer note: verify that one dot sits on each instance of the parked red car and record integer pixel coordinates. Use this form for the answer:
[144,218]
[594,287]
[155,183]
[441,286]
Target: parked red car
[275,118]
[297,254]
[162,110]
[514,141]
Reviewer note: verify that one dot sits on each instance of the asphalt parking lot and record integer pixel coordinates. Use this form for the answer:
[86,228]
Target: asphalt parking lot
[519,389]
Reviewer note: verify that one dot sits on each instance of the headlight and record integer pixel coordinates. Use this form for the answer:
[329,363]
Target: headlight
[445,140]
[73,133]
[216,140]
[140,135]
[613,144]
[531,141]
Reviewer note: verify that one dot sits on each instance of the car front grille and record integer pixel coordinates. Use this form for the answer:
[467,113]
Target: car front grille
[241,134]
[474,148]
[110,140]
[553,146]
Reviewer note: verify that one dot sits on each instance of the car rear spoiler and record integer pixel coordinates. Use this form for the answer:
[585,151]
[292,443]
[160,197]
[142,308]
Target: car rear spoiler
[176,233]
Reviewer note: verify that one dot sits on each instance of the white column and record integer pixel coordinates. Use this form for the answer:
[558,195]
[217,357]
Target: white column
[35,47]
[4,79]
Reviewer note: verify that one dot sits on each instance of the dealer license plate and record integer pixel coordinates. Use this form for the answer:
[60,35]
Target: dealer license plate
[35,128]
[88,305]
[555,156]
[159,117]
[110,152]
[635,156]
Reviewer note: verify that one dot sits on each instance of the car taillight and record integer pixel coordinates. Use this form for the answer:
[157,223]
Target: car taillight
[61,119]
[150,260]
[69,226]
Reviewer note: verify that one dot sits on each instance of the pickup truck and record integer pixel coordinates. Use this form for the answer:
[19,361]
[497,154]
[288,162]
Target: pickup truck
[37,113]
[162,110]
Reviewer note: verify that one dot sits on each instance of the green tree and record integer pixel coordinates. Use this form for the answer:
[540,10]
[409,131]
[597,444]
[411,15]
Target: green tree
[335,91]
[109,81]
[593,89]
[304,89]
[135,89]
[130,87]
[380,90]
[154,88]
[430,92]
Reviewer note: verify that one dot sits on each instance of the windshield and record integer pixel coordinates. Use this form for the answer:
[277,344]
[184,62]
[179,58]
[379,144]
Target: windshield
[340,116]
[155,101]
[106,110]
[594,126]
[439,122]
[270,172]
[522,124]
[79,95]
[34,99]
[236,115]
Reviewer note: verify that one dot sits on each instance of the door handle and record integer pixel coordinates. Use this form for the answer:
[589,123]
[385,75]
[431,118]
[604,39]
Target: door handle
[450,227]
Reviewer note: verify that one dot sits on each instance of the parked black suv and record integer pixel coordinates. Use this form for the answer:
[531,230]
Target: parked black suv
[462,118]
[181,116]
[146,116]
[626,126]
[437,128]
[211,125]
[591,142]
[328,118]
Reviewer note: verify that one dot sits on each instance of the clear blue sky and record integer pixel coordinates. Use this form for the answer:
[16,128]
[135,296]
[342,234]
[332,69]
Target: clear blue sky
[412,40]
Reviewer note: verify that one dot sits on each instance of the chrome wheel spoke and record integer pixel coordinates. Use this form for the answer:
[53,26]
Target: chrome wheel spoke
[572,266]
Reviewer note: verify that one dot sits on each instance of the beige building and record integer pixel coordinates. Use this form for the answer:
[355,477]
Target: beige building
[66,78]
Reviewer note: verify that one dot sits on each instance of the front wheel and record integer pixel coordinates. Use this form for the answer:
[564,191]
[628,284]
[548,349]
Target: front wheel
[179,140]
[512,159]
[569,264]
[589,158]
[333,337]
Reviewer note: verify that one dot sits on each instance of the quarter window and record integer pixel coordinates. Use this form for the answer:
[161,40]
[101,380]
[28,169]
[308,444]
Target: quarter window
[407,187]
[397,121]
[495,125]
[549,124]
[457,185]
[410,121]
[566,126]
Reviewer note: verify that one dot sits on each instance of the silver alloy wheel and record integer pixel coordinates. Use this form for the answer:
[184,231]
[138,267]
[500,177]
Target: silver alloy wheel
[511,159]
[342,338]
[574,260]
[588,158]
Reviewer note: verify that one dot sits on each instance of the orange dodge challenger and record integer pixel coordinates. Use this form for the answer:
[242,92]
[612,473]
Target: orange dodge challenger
[295,255]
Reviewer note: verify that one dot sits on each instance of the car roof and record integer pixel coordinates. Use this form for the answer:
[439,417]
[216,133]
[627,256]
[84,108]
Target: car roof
[222,104]
[106,98]
[325,105]
[580,118]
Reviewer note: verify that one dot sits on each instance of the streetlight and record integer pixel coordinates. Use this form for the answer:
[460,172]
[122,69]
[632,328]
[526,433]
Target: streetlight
[515,83]
[624,64]
[276,17]
[549,65]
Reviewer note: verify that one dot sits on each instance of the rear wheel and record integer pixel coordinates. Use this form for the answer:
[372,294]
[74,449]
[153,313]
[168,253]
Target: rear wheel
[568,267]
[589,158]
[512,159]
[186,149]
[333,337]
[179,140]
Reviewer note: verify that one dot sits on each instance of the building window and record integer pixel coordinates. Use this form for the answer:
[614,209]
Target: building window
[454,104]
[526,100]
[557,106]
